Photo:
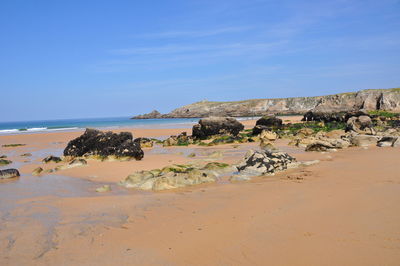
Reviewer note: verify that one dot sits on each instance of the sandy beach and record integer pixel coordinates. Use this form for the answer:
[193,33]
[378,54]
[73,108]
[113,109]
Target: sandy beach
[341,211]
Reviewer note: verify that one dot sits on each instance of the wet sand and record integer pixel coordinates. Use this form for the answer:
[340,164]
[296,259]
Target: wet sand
[342,211]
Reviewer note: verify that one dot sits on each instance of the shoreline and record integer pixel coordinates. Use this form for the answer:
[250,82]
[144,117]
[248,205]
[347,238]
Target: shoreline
[339,211]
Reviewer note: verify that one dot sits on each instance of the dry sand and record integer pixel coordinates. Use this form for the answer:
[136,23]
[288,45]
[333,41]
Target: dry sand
[342,211]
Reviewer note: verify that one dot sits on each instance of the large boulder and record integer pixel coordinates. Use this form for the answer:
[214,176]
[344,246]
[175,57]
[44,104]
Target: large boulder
[265,162]
[103,144]
[9,173]
[267,123]
[216,126]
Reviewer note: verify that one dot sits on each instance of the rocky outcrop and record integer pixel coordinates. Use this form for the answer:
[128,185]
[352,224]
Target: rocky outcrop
[152,115]
[175,176]
[265,162]
[381,99]
[103,144]
[9,173]
[216,126]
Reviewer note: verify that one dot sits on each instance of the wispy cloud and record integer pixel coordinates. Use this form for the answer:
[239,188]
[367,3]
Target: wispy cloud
[193,33]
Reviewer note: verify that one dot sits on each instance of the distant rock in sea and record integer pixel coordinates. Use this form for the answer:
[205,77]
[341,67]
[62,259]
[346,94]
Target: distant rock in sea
[152,115]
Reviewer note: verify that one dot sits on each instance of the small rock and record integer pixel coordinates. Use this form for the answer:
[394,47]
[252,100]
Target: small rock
[9,173]
[104,188]
[26,154]
[363,140]
[37,171]
[51,158]
[5,162]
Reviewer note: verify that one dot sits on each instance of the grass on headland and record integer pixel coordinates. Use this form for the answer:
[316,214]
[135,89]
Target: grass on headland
[384,113]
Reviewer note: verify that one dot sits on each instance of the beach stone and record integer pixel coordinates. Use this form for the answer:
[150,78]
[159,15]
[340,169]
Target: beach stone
[305,132]
[26,154]
[335,134]
[264,162]
[389,141]
[211,126]
[268,135]
[77,162]
[320,145]
[363,140]
[5,162]
[103,144]
[105,188]
[37,171]
[9,173]
[51,158]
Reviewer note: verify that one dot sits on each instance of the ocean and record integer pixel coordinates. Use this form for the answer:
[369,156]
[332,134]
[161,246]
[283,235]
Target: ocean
[21,127]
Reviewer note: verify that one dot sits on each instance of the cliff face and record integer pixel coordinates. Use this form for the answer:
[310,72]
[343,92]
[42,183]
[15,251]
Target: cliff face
[383,99]
[388,100]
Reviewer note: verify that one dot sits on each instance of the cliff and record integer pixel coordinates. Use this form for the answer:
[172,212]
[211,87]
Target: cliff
[380,99]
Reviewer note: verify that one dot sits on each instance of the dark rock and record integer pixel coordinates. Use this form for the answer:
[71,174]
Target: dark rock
[216,126]
[51,158]
[331,117]
[97,143]
[152,115]
[269,121]
[9,173]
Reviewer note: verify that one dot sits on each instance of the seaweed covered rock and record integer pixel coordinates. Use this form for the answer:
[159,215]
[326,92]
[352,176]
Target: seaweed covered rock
[97,143]
[174,176]
[9,173]
[264,162]
[211,126]
[267,123]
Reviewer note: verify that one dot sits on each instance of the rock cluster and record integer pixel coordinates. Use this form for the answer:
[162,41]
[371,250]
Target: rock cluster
[216,126]
[175,176]
[103,144]
[9,173]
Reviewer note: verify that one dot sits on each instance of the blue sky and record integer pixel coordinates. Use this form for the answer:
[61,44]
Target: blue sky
[72,59]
